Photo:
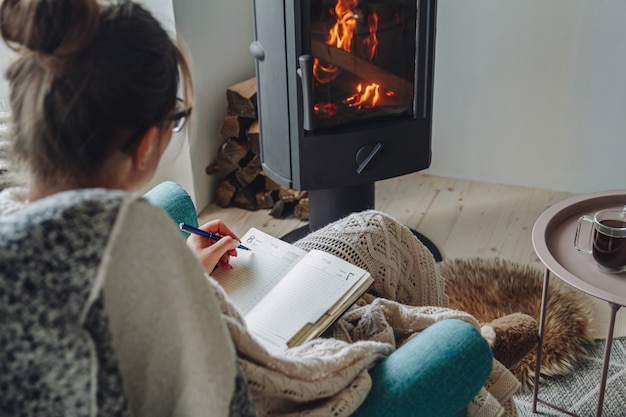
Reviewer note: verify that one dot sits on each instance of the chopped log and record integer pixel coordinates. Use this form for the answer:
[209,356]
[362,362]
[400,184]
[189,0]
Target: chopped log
[233,151]
[244,199]
[289,195]
[224,193]
[246,175]
[242,180]
[253,135]
[264,199]
[270,184]
[301,209]
[227,161]
[234,126]
[212,169]
[278,211]
[242,98]
[286,195]
[225,168]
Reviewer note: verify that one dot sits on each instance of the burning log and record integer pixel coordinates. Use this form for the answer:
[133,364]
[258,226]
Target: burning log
[360,67]
[238,166]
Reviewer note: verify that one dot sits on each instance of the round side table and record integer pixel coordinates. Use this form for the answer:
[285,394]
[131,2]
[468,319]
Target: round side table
[553,241]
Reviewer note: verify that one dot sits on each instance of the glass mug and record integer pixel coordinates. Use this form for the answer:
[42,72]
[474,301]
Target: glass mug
[607,239]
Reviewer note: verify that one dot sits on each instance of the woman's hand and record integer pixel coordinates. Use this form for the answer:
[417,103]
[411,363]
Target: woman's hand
[212,253]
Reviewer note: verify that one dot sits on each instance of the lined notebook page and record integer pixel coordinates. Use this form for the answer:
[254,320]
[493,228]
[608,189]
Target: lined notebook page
[255,272]
[310,289]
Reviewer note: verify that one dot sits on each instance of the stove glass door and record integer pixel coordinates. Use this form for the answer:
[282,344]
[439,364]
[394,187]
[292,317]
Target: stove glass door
[362,62]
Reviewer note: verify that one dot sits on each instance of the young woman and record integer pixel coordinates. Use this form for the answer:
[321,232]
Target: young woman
[91,275]
[104,310]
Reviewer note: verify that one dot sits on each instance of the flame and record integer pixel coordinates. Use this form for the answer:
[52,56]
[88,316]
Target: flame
[341,36]
[372,41]
[324,73]
[365,98]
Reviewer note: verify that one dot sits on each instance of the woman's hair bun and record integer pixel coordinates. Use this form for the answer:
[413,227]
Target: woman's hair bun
[60,28]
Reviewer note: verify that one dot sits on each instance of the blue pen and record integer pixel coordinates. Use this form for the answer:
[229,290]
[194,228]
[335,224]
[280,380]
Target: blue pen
[203,233]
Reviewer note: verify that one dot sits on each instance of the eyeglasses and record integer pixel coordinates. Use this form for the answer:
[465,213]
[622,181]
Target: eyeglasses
[180,117]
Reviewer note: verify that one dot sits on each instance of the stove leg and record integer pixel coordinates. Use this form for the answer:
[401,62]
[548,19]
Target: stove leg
[330,204]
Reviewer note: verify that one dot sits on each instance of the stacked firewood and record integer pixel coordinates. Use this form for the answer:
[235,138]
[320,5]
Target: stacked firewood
[242,182]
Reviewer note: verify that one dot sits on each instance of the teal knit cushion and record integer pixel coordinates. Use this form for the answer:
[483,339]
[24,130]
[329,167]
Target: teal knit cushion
[176,202]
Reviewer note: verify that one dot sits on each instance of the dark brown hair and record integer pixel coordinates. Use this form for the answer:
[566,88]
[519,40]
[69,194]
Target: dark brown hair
[86,79]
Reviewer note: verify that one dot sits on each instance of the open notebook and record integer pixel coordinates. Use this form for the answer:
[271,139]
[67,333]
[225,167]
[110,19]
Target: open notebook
[287,295]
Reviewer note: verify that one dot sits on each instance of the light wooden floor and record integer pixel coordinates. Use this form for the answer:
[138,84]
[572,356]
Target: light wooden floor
[465,219]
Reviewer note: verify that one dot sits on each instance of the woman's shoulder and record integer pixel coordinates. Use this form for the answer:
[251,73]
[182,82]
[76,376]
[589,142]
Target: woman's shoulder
[13,199]
[71,219]
[60,242]
[14,202]
[55,248]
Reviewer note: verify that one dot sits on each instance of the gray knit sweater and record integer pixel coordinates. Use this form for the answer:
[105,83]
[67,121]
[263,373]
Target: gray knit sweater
[105,312]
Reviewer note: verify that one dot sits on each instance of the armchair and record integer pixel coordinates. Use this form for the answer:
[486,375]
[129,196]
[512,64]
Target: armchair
[436,373]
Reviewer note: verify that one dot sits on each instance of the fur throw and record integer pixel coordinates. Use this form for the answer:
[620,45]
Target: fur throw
[492,289]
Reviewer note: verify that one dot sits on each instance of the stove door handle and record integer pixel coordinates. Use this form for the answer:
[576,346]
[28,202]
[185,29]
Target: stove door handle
[306,74]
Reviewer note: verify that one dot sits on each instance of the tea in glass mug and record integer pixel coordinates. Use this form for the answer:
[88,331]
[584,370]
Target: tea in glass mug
[607,239]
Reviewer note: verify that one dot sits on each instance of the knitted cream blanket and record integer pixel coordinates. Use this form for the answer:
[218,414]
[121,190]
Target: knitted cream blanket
[328,376]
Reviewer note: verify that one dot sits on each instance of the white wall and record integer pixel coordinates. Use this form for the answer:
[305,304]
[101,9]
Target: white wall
[527,92]
[531,92]
[218,34]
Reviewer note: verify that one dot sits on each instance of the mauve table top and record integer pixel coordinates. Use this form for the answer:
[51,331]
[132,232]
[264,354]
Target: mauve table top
[553,241]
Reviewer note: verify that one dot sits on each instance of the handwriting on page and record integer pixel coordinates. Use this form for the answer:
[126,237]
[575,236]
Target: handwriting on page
[257,270]
[318,281]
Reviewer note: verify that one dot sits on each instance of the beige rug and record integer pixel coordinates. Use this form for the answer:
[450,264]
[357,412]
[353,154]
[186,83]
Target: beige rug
[492,288]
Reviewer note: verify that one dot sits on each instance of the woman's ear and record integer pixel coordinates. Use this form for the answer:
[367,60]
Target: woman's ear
[146,146]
